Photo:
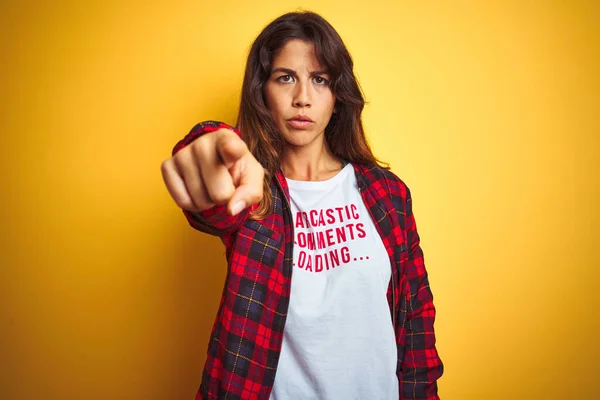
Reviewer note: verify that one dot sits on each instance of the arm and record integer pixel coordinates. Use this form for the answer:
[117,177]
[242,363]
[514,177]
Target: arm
[216,220]
[422,366]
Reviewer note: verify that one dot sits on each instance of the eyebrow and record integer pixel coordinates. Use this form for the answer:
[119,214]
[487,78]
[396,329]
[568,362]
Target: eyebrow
[292,72]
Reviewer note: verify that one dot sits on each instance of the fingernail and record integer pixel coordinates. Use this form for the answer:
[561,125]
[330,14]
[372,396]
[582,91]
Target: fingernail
[237,207]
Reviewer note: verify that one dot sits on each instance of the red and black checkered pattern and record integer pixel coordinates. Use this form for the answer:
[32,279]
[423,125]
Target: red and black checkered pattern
[246,338]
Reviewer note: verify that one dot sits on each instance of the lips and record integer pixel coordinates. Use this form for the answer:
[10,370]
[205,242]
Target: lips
[303,118]
[300,122]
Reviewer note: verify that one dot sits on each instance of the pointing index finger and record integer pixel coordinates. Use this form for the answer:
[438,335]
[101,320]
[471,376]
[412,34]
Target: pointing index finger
[231,148]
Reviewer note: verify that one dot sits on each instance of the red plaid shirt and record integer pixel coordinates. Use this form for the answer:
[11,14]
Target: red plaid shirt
[246,338]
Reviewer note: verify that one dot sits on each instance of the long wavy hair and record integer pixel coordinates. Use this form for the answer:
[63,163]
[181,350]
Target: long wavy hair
[344,133]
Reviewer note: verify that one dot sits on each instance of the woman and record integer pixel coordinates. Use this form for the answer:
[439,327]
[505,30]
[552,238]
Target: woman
[294,191]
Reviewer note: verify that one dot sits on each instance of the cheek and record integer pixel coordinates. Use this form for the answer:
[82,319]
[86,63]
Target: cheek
[276,108]
[268,97]
[328,107]
[272,102]
[327,101]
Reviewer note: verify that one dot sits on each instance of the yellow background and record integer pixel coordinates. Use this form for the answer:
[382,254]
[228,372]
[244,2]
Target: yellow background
[488,110]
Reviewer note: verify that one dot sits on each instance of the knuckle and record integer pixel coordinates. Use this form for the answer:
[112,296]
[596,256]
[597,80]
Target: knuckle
[164,166]
[167,166]
[164,171]
[230,143]
[201,140]
[202,147]
[226,132]
[180,159]
[199,147]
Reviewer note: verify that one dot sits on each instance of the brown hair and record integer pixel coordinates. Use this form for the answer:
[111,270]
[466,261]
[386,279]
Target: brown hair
[344,134]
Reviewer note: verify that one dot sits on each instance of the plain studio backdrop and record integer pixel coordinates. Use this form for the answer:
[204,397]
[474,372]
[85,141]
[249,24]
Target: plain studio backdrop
[489,111]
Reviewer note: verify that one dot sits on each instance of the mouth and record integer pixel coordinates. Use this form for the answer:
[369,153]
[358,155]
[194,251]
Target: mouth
[300,122]
[301,118]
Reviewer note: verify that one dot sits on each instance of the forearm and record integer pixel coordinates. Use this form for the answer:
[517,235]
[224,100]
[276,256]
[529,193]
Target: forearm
[421,366]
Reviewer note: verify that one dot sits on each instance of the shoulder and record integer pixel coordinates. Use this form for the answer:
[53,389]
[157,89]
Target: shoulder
[382,179]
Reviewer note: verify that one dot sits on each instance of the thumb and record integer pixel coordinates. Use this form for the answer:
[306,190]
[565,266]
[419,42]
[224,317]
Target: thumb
[249,190]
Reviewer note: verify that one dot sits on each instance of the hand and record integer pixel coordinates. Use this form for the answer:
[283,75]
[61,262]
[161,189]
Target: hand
[217,168]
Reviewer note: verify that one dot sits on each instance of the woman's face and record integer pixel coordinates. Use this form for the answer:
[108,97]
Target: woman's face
[298,88]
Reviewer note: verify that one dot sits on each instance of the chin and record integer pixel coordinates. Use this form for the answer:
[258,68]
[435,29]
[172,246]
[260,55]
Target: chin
[295,142]
[299,138]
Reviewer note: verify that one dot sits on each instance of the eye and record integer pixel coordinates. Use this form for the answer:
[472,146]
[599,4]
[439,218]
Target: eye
[319,80]
[285,79]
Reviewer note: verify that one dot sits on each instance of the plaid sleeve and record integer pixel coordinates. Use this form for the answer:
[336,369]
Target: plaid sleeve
[214,221]
[422,365]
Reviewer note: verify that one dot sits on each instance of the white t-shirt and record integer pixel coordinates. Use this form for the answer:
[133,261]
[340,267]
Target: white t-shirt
[338,341]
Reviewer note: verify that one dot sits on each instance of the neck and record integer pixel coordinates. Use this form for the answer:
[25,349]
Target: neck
[304,164]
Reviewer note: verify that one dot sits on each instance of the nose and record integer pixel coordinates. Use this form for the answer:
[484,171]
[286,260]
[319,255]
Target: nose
[302,95]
